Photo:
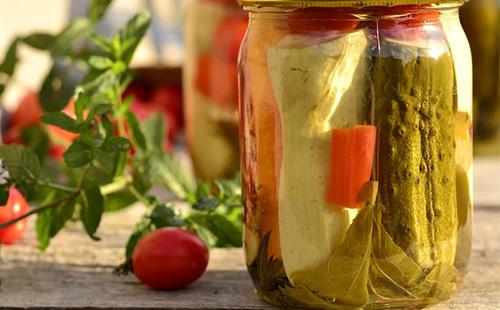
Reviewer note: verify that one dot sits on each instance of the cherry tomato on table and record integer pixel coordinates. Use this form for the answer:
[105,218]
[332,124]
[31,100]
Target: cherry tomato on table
[16,206]
[169,258]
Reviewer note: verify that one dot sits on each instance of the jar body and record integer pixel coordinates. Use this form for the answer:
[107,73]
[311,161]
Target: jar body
[481,22]
[214,30]
[356,155]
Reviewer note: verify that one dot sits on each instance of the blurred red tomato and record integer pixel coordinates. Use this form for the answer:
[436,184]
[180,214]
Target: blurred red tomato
[28,112]
[217,80]
[170,98]
[228,36]
[16,206]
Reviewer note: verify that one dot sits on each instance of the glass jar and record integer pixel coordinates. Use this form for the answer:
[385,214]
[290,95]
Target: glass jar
[214,30]
[356,127]
[481,22]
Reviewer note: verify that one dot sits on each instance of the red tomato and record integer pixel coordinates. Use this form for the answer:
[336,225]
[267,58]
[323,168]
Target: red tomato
[224,2]
[170,99]
[137,90]
[311,21]
[407,15]
[217,80]
[228,36]
[28,112]
[16,206]
[144,109]
[170,258]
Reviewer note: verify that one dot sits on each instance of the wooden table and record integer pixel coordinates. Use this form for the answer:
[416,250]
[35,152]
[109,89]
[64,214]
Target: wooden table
[77,273]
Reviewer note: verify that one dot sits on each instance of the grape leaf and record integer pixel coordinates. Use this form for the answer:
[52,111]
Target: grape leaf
[346,285]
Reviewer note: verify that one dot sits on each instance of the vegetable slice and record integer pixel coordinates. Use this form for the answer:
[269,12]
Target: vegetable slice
[351,164]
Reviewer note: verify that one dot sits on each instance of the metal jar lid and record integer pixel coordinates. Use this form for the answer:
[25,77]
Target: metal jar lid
[340,3]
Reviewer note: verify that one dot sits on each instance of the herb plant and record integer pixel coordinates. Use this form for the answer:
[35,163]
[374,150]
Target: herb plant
[115,160]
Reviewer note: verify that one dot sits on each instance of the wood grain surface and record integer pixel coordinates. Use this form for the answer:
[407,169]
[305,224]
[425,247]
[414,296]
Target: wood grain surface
[77,273]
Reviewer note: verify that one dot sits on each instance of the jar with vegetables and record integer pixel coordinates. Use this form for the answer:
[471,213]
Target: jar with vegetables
[214,31]
[356,126]
[481,22]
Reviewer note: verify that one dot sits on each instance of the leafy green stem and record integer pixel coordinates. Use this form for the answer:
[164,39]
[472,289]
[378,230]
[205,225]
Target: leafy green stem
[56,186]
[138,195]
[40,209]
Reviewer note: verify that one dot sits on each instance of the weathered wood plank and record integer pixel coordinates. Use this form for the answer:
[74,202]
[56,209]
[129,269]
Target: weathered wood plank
[76,273]
[487,181]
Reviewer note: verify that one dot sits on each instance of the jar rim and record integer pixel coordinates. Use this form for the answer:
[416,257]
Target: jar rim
[252,4]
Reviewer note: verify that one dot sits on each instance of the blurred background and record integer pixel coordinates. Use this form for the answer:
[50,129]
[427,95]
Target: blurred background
[196,42]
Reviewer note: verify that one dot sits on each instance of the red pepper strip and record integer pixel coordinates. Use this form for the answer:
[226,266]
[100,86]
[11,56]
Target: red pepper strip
[352,152]
[311,21]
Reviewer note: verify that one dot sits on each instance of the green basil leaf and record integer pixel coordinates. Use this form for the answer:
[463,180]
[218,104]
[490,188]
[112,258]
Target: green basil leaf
[99,110]
[92,207]
[228,234]
[8,65]
[100,63]
[118,201]
[4,194]
[61,120]
[40,40]
[116,144]
[97,9]
[155,132]
[102,42]
[107,125]
[168,171]
[131,35]
[21,163]
[10,60]
[136,130]
[78,154]
[72,35]
[57,88]
[164,216]
[37,139]
[52,220]
[206,203]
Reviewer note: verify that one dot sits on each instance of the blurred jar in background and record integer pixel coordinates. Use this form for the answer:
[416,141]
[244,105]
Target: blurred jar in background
[213,34]
[481,22]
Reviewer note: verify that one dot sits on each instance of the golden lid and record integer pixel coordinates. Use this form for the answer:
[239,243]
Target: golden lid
[338,3]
